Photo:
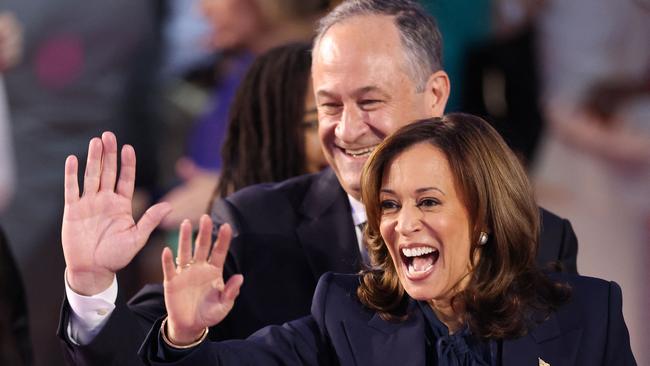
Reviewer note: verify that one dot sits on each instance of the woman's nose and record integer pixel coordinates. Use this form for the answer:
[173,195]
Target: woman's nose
[408,220]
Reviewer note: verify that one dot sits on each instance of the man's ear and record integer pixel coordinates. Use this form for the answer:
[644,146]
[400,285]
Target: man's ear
[437,89]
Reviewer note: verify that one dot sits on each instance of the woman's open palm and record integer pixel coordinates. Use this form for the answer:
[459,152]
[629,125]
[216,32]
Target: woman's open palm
[195,293]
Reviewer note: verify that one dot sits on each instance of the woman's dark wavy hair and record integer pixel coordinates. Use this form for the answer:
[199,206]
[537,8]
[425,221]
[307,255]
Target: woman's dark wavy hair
[505,286]
[265,140]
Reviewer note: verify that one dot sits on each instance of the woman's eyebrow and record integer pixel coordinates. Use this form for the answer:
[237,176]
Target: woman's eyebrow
[426,189]
[419,190]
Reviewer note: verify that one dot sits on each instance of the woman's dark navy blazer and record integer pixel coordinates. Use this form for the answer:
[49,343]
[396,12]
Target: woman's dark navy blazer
[588,330]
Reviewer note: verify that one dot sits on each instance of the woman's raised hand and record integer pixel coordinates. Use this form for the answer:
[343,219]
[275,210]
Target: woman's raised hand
[98,234]
[196,296]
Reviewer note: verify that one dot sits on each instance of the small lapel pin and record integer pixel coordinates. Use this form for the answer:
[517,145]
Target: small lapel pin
[543,363]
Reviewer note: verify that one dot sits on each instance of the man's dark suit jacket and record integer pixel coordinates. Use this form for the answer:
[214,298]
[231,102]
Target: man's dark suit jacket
[588,330]
[286,235]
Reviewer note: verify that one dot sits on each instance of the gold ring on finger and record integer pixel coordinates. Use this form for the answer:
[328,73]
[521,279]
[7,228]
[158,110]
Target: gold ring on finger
[187,265]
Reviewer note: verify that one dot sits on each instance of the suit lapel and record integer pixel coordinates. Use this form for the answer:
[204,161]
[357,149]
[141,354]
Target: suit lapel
[326,231]
[379,342]
[520,351]
[547,342]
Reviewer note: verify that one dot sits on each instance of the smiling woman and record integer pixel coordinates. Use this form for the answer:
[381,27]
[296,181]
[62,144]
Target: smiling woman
[433,192]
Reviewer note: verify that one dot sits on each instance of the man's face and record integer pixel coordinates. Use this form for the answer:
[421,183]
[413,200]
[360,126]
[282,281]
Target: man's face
[364,93]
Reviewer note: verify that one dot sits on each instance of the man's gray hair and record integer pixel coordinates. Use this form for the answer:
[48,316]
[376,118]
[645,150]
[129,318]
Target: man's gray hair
[418,32]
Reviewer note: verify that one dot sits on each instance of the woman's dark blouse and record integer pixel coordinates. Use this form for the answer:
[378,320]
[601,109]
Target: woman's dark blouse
[458,349]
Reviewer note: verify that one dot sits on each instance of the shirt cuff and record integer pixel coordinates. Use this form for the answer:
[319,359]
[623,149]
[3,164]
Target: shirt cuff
[89,313]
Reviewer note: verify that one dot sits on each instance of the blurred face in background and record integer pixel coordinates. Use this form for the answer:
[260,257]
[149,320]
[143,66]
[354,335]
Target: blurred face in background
[314,157]
[11,39]
[236,23]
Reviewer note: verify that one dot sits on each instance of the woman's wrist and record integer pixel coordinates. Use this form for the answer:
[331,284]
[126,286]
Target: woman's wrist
[173,340]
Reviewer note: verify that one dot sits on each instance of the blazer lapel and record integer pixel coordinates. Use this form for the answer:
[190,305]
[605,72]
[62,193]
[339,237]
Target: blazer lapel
[379,342]
[327,233]
[520,351]
[546,342]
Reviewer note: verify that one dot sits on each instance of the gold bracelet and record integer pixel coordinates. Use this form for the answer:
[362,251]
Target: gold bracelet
[163,333]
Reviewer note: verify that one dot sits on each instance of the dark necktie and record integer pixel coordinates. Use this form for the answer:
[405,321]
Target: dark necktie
[363,250]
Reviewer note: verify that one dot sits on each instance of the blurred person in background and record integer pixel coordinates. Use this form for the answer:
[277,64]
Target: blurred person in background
[501,76]
[185,31]
[242,29]
[594,163]
[86,67]
[273,127]
[490,55]
[10,51]
[15,343]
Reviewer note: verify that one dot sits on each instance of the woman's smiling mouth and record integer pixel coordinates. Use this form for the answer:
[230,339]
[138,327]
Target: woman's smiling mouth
[419,261]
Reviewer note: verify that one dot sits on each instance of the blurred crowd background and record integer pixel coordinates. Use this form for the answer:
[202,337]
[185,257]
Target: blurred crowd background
[567,83]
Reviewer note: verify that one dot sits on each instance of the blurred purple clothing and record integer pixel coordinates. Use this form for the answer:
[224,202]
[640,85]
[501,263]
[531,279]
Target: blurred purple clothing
[206,138]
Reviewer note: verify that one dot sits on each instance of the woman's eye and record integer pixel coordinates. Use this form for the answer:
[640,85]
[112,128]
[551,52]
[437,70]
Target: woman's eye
[388,205]
[428,202]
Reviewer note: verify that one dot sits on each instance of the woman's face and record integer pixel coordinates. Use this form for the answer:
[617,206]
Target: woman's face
[425,224]
[235,22]
[314,157]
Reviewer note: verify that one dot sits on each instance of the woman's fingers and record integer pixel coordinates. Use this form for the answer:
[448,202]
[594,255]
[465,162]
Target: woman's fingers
[231,290]
[203,239]
[109,162]
[220,248]
[225,295]
[184,244]
[167,259]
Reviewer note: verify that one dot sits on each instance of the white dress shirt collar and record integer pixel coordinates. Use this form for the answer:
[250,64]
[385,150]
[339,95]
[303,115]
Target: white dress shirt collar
[358,211]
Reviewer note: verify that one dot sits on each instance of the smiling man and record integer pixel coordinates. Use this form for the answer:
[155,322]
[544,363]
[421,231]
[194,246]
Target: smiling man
[368,84]
[376,67]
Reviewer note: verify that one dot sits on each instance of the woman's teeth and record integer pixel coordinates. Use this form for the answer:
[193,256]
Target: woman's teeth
[413,269]
[416,252]
[420,259]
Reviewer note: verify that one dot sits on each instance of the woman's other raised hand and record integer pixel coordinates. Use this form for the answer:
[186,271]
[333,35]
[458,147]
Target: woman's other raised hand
[196,296]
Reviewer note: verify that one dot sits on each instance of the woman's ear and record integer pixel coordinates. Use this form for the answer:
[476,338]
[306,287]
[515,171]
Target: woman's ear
[437,89]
